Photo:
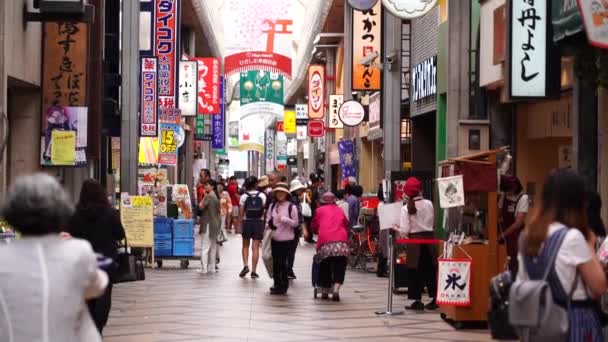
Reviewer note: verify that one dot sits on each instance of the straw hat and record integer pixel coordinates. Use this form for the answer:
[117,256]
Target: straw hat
[296,185]
[263,182]
[281,187]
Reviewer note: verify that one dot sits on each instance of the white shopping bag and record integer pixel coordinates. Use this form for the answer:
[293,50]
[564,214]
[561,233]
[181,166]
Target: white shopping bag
[267,251]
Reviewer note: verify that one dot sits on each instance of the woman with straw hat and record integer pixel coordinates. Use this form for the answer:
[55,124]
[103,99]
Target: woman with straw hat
[282,218]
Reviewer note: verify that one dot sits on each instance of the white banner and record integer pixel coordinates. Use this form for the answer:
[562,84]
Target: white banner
[188,94]
[302,133]
[454,282]
[389,214]
[335,101]
[451,192]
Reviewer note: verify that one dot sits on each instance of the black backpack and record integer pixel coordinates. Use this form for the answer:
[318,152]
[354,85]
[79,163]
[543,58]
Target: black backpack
[254,206]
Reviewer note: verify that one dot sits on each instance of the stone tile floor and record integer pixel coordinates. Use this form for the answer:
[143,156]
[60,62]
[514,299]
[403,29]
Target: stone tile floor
[183,306]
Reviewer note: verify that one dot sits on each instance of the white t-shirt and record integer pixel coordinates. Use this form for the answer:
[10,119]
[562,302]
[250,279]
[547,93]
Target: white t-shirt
[573,252]
[252,193]
[523,205]
[422,221]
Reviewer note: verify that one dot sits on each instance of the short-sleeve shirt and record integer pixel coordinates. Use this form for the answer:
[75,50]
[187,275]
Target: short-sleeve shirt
[573,252]
[233,191]
[252,193]
[523,204]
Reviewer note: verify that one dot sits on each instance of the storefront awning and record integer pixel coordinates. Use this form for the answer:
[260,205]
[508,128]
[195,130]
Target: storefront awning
[566,19]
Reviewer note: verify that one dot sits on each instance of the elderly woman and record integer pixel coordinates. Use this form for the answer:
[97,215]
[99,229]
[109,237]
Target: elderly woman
[45,281]
[331,224]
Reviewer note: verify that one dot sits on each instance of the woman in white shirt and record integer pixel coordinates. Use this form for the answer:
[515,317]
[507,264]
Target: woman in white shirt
[563,207]
[417,222]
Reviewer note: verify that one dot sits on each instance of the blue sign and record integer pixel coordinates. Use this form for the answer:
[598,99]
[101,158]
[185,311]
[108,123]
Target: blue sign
[346,149]
[217,123]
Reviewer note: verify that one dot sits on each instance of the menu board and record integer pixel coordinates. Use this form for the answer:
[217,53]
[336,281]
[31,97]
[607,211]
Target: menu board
[136,215]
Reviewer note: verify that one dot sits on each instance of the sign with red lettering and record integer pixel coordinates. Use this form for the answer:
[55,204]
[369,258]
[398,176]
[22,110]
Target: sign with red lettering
[166,38]
[149,97]
[208,85]
[316,128]
[367,39]
[257,60]
[316,91]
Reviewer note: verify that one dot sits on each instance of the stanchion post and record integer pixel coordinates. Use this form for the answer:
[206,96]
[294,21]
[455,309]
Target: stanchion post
[391,278]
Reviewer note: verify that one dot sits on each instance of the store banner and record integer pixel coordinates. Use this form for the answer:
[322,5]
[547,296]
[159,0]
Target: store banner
[261,94]
[316,91]
[199,128]
[335,101]
[289,123]
[367,42]
[454,282]
[148,151]
[72,151]
[292,147]
[149,98]
[451,192]
[302,111]
[316,128]
[167,153]
[209,92]
[269,154]
[251,134]
[188,75]
[281,145]
[595,14]
[170,115]
[302,132]
[346,150]
[166,38]
[374,111]
[218,123]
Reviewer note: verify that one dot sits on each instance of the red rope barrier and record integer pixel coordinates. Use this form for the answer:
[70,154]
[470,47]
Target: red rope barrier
[418,241]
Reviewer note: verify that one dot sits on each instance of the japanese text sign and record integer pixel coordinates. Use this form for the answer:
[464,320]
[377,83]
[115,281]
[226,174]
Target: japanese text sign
[63,148]
[166,34]
[454,282]
[167,153]
[188,93]
[270,149]
[208,85]
[170,115]
[424,79]
[316,129]
[316,91]
[367,39]
[137,217]
[301,112]
[149,97]
[595,19]
[290,123]
[528,42]
[199,129]
[335,101]
[217,129]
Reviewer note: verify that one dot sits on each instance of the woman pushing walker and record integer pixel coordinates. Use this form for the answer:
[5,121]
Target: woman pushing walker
[417,221]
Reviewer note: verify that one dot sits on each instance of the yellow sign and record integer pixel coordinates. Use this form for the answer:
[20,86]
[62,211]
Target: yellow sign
[289,125]
[63,147]
[148,151]
[137,217]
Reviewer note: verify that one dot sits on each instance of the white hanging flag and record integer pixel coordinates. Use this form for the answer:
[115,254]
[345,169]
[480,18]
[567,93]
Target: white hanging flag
[451,192]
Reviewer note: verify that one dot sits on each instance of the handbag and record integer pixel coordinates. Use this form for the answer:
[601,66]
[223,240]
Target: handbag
[221,237]
[267,251]
[306,210]
[128,267]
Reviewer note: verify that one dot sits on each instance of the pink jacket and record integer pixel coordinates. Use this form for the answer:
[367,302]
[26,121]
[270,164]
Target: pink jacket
[330,224]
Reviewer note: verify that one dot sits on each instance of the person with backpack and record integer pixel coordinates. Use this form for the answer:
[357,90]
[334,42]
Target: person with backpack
[282,218]
[560,275]
[252,205]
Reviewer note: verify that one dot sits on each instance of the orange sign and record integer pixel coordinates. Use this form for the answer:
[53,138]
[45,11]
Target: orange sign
[367,40]
[316,91]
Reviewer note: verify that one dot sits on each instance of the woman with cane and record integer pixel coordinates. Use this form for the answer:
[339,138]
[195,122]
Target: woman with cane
[417,222]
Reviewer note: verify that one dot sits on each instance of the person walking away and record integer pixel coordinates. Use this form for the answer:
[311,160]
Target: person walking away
[98,223]
[282,218]
[333,249]
[297,190]
[514,210]
[233,219]
[45,281]
[594,214]
[252,217]
[576,266]
[354,206]
[225,211]
[210,227]
[416,222]
[341,201]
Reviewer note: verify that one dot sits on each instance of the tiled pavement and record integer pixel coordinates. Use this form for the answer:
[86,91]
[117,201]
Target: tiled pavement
[183,306]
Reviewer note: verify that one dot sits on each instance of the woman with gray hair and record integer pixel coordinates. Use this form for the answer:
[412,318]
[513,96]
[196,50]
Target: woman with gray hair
[44,279]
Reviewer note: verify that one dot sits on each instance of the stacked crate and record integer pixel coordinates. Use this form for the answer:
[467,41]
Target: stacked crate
[163,236]
[183,237]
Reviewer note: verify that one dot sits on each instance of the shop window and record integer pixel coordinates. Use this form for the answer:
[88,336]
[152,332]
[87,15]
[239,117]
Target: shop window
[406,131]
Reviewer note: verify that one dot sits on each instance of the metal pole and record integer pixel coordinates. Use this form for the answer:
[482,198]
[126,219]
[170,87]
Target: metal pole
[391,279]
[129,96]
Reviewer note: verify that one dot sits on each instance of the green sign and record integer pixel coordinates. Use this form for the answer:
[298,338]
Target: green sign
[261,86]
[199,130]
[566,19]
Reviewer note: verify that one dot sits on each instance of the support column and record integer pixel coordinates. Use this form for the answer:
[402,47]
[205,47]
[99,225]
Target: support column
[129,95]
[602,147]
[348,60]
[391,95]
[330,88]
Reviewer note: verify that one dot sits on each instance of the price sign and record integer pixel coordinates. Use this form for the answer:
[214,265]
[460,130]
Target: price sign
[167,154]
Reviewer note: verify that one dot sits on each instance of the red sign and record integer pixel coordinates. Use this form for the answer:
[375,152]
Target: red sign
[170,116]
[280,126]
[166,38]
[316,91]
[149,98]
[316,128]
[208,85]
[257,60]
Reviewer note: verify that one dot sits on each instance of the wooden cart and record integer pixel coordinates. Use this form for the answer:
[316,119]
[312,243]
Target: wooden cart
[488,258]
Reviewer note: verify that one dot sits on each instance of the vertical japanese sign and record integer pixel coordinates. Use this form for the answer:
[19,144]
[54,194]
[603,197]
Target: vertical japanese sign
[454,282]
[188,93]
[289,124]
[166,38]
[217,123]
[199,128]
[346,150]
[302,122]
[64,84]
[528,42]
[168,137]
[335,101]
[316,91]
[149,98]
[367,40]
[281,151]
[208,85]
[270,150]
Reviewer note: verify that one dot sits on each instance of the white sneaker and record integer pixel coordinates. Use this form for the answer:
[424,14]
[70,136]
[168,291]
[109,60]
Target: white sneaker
[201,271]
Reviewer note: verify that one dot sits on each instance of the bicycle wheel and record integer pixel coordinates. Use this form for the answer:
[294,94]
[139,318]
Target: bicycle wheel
[353,257]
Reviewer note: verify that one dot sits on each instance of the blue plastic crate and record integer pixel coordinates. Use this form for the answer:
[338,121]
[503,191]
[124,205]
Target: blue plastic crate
[162,237]
[163,248]
[183,247]
[163,225]
[183,229]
